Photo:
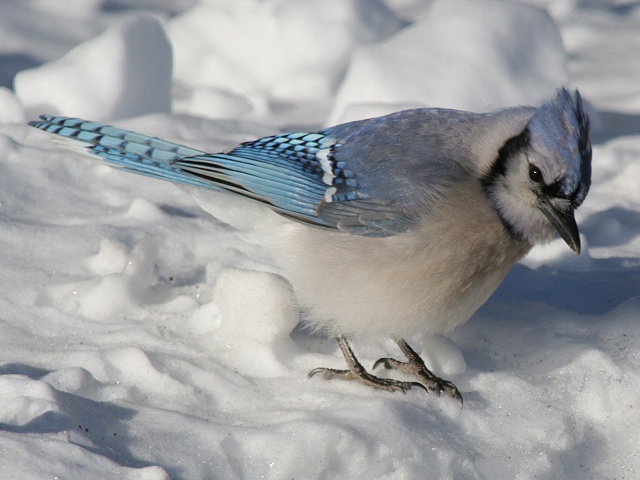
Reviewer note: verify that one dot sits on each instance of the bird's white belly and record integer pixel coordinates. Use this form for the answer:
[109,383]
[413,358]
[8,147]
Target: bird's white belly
[421,281]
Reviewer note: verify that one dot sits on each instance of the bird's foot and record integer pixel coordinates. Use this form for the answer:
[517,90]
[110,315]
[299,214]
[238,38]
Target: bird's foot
[428,381]
[365,378]
[416,366]
[357,372]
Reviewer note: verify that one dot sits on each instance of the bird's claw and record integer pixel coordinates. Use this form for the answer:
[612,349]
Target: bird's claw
[428,381]
[414,365]
[387,384]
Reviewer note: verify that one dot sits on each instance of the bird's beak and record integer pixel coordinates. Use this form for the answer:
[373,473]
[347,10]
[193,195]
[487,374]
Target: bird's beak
[564,223]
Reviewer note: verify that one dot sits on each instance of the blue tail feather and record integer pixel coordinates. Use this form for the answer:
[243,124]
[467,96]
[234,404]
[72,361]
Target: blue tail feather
[281,172]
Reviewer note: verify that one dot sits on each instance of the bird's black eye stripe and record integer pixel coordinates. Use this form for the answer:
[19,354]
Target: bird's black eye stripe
[535,174]
[513,146]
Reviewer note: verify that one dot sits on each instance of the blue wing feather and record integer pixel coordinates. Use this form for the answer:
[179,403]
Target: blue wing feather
[280,171]
[359,178]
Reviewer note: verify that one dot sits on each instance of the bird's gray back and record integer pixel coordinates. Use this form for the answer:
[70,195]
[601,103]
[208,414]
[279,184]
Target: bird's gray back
[411,158]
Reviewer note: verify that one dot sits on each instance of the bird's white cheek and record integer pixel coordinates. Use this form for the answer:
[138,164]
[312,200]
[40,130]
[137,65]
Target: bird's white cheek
[524,217]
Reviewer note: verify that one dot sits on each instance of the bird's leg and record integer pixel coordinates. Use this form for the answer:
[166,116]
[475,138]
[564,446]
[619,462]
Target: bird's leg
[357,372]
[415,365]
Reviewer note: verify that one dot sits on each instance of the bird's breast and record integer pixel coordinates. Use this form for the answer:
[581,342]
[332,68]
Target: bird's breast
[430,279]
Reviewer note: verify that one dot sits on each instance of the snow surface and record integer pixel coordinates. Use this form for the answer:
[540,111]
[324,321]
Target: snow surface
[141,338]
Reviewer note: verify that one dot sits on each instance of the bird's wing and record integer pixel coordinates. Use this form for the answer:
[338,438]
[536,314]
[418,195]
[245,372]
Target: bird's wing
[283,172]
[362,178]
[389,172]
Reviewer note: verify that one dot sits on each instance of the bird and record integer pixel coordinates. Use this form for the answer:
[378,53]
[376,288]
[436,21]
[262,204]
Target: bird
[390,226]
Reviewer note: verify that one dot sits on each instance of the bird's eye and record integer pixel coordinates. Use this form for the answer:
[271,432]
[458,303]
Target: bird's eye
[535,174]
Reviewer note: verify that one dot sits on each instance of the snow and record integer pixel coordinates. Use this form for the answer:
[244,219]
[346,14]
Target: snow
[142,338]
[126,72]
[512,55]
[275,51]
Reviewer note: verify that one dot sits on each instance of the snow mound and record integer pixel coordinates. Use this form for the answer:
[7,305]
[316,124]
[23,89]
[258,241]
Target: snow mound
[303,49]
[463,54]
[124,72]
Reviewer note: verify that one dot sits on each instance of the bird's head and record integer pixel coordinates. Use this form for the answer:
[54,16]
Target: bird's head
[543,174]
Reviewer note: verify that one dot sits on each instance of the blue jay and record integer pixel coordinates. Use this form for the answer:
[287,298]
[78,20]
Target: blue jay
[393,225]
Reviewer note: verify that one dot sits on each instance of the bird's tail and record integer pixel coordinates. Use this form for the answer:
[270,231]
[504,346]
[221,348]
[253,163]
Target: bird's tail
[281,172]
[122,149]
